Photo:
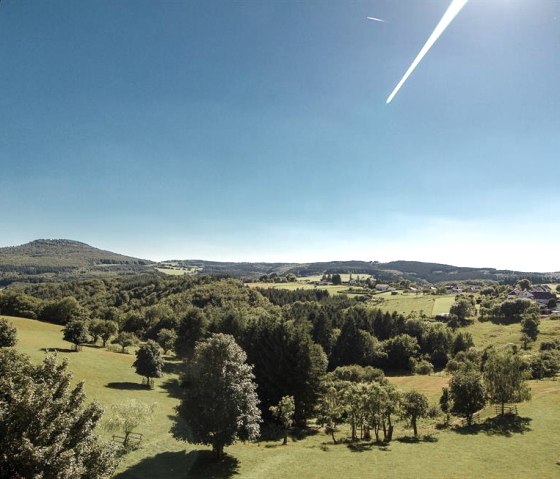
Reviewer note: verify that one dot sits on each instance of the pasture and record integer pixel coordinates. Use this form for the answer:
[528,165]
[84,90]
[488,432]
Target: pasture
[526,448]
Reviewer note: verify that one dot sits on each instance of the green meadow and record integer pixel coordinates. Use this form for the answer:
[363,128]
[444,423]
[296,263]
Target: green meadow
[487,333]
[406,303]
[402,302]
[527,447]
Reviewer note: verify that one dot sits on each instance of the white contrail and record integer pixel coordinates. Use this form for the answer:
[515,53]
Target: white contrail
[448,16]
[376,19]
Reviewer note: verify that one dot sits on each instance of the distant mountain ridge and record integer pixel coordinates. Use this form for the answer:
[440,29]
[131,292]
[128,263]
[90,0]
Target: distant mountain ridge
[55,259]
[395,270]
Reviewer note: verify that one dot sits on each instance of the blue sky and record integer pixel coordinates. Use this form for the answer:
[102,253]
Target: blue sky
[259,131]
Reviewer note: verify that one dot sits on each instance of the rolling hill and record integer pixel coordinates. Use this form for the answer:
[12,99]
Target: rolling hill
[55,259]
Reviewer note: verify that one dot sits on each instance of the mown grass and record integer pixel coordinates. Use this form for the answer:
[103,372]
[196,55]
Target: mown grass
[527,448]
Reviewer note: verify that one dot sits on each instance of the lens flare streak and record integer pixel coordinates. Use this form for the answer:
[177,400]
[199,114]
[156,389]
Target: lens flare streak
[451,12]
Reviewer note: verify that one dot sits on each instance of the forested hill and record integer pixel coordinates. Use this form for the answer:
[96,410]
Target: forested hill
[435,272]
[44,258]
[394,270]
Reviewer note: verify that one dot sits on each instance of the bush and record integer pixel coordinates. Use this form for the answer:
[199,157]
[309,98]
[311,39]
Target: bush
[546,364]
[8,333]
[423,367]
[453,365]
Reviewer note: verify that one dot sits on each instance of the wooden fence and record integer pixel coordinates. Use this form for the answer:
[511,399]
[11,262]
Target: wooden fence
[134,439]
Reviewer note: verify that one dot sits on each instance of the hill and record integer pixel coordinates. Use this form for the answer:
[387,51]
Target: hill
[392,271]
[44,259]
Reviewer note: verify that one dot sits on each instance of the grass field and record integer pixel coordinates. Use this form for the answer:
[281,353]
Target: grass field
[528,448]
[174,271]
[406,303]
[345,277]
[331,288]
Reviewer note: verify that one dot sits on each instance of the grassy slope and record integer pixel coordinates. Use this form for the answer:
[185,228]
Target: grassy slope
[100,368]
[532,453]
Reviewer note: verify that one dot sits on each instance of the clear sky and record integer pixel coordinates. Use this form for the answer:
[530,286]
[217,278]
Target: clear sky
[251,130]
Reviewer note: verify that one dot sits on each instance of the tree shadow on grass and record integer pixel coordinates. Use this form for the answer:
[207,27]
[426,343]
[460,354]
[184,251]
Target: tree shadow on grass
[128,386]
[192,465]
[58,350]
[301,433]
[206,466]
[360,446]
[363,446]
[173,388]
[417,439]
[172,367]
[166,464]
[505,426]
[271,431]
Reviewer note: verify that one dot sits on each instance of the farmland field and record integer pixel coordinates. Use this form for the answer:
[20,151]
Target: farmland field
[529,448]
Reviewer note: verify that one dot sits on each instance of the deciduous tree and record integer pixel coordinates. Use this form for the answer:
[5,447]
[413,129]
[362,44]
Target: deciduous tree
[109,329]
[284,413]
[149,362]
[414,406]
[218,370]
[125,340]
[463,308]
[126,416]
[399,350]
[77,333]
[445,404]
[467,394]
[166,338]
[504,377]
[330,408]
[529,327]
